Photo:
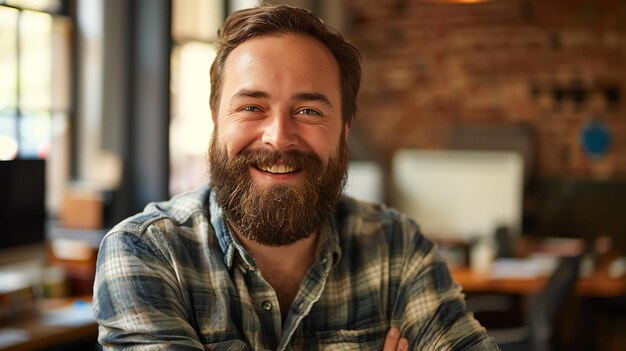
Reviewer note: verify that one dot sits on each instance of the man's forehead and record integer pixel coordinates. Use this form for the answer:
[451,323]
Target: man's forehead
[266,64]
[297,47]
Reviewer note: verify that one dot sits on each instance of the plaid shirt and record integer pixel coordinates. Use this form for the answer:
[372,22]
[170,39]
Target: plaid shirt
[174,277]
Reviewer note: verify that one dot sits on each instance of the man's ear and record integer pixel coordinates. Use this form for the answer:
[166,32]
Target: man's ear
[346,131]
[214,116]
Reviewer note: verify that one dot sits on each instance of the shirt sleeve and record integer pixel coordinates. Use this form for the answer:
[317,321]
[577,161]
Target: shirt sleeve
[137,300]
[430,308]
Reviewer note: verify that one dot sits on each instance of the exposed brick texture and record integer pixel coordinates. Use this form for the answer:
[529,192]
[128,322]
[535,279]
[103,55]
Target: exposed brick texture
[553,65]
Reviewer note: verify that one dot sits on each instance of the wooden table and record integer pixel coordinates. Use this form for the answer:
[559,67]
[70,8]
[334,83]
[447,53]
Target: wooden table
[591,328]
[42,336]
[599,284]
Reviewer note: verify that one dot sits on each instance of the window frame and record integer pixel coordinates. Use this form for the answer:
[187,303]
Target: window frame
[66,11]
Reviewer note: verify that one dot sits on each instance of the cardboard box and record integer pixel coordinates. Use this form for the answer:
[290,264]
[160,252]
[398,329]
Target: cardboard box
[81,210]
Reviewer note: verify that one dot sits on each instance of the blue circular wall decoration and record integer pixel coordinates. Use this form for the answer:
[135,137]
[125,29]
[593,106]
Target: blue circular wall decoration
[595,139]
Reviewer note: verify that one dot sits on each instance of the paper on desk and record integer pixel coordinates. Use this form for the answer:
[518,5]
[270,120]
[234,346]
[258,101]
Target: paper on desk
[526,268]
[12,336]
[75,315]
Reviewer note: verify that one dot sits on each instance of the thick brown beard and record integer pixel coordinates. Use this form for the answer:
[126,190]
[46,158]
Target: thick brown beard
[276,215]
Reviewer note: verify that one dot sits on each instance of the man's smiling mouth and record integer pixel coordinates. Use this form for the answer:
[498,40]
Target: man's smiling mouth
[276,169]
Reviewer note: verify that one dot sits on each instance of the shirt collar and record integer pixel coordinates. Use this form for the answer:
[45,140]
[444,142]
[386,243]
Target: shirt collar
[327,247]
[227,241]
[328,242]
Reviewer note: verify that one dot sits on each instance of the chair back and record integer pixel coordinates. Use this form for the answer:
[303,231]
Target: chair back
[545,306]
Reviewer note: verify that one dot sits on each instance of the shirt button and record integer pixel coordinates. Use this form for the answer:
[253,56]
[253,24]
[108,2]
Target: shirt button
[266,306]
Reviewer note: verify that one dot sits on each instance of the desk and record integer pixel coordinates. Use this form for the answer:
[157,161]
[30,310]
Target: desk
[587,323]
[42,335]
[599,284]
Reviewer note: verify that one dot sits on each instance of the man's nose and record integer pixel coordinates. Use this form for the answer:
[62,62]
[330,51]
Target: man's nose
[280,132]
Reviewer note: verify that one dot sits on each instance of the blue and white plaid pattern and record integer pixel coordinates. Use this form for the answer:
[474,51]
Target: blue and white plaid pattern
[175,278]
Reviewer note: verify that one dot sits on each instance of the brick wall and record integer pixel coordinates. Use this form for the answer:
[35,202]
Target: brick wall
[551,65]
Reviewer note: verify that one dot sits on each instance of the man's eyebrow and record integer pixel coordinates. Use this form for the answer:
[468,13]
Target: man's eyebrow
[255,94]
[306,96]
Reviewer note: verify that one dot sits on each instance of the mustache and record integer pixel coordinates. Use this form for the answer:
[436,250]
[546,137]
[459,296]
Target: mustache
[293,158]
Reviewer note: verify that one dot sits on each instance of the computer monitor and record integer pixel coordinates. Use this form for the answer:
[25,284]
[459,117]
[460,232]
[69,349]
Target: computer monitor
[459,195]
[22,204]
[365,181]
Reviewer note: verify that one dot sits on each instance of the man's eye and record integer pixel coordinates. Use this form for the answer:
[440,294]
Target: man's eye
[309,112]
[250,109]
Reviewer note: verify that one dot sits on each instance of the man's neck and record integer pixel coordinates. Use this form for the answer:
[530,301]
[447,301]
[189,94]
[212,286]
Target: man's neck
[286,259]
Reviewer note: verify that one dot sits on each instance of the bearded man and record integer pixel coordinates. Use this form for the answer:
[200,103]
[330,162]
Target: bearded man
[270,256]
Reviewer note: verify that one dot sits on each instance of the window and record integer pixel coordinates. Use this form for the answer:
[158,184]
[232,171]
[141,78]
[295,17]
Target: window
[35,47]
[194,28]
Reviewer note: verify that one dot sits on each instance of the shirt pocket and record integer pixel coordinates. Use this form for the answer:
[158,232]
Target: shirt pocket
[371,338]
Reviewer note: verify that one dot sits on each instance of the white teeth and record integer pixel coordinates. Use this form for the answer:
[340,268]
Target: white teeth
[277,169]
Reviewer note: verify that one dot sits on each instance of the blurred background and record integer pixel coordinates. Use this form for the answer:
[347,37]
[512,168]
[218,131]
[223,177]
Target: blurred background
[499,126]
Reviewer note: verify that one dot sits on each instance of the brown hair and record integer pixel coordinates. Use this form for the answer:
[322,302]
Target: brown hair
[282,19]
